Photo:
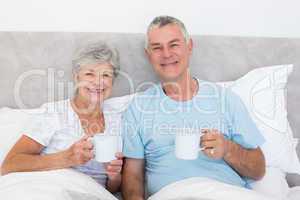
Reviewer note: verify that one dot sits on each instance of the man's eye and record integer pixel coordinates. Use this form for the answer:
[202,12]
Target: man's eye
[156,48]
[89,74]
[174,45]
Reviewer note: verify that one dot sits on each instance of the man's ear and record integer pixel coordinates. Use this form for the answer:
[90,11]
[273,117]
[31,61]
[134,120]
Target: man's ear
[190,45]
[147,53]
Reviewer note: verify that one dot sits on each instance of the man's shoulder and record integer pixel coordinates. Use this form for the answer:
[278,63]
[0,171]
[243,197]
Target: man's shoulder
[210,88]
[222,88]
[221,92]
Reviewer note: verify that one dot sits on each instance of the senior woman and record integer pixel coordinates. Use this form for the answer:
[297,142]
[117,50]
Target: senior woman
[60,136]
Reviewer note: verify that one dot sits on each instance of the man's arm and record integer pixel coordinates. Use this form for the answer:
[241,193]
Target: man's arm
[247,162]
[133,179]
[113,170]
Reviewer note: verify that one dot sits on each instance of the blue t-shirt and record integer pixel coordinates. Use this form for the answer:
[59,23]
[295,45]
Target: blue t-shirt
[148,133]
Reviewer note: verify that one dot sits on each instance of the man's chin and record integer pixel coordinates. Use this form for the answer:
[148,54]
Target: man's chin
[169,77]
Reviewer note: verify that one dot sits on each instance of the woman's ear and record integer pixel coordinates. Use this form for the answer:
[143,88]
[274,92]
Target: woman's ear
[75,77]
[75,80]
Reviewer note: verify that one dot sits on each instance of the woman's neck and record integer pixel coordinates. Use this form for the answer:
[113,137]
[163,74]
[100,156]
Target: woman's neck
[86,109]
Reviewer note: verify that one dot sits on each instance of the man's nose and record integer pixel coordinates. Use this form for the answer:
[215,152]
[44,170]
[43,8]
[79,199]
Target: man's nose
[166,52]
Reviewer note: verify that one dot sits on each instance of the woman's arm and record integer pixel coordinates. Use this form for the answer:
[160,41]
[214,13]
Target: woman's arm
[25,156]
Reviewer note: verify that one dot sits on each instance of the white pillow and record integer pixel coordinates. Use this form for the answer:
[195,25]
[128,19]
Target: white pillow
[294,193]
[263,91]
[12,122]
[118,104]
[273,184]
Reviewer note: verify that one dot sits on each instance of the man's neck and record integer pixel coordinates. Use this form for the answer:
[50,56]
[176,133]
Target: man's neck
[182,89]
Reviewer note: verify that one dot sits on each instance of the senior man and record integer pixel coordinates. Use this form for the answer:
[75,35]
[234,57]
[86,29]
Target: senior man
[230,141]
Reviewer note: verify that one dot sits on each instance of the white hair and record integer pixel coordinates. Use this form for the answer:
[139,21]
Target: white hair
[162,21]
[94,53]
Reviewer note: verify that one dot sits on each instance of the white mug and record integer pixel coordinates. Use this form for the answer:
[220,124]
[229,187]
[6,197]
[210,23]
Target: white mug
[105,147]
[187,144]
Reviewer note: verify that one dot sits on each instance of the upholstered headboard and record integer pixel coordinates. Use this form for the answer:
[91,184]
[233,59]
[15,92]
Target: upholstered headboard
[36,67]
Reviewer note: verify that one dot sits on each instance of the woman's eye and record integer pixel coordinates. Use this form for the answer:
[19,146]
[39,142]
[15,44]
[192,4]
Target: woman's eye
[89,74]
[107,75]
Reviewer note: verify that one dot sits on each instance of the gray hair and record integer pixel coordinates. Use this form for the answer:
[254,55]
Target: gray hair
[94,53]
[164,20]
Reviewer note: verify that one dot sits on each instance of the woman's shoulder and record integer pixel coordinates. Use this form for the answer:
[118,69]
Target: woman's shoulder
[55,107]
[56,112]
[49,118]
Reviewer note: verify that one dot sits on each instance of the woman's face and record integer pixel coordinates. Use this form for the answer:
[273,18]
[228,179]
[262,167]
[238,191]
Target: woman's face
[94,82]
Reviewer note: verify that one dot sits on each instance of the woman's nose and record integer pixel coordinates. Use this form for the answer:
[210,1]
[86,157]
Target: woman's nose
[99,78]
[98,81]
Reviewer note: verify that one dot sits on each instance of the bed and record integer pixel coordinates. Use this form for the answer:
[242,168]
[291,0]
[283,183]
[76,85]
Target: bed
[36,68]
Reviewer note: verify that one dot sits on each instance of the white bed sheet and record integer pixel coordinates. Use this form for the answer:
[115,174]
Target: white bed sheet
[206,189]
[294,193]
[65,184]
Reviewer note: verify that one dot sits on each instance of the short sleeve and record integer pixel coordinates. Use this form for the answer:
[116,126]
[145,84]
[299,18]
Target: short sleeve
[243,130]
[41,128]
[133,146]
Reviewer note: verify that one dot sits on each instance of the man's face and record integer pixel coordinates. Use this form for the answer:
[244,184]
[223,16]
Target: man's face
[168,52]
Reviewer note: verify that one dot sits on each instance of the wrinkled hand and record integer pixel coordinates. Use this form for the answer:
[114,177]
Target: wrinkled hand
[114,168]
[80,152]
[214,143]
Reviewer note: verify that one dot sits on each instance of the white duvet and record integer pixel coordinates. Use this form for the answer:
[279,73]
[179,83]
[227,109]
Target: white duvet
[205,189]
[65,184]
